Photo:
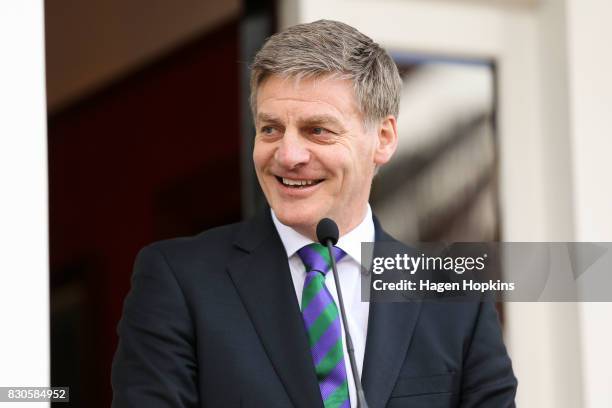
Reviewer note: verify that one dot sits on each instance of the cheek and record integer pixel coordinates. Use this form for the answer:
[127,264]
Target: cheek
[261,155]
[364,162]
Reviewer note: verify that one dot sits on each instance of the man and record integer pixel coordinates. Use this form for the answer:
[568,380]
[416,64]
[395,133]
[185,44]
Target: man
[246,315]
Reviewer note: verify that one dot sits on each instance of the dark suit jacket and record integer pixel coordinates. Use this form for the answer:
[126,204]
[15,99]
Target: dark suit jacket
[213,321]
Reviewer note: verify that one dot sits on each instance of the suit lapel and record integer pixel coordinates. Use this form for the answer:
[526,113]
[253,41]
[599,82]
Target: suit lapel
[263,280]
[390,329]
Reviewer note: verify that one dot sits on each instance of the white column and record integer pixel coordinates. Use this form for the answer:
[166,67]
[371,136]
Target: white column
[24,283]
[544,338]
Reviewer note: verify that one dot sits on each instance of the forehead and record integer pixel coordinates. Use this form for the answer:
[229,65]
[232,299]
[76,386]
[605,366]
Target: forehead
[312,95]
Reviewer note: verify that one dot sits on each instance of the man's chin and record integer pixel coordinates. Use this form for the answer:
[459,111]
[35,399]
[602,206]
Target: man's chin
[298,220]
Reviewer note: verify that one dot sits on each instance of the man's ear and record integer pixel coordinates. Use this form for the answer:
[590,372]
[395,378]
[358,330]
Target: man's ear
[387,140]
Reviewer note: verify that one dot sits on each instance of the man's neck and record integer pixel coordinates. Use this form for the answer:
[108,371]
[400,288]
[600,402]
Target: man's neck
[294,239]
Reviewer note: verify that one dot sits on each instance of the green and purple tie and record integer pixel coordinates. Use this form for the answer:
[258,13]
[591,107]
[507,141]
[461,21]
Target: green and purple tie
[322,322]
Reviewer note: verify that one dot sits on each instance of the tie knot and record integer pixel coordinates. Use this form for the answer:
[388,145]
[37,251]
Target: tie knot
[316,257]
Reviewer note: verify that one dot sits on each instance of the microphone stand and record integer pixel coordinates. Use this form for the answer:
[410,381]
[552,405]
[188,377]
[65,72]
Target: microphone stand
[361,401]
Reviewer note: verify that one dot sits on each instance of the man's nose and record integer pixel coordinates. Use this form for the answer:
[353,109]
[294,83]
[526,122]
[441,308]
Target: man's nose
[292,151]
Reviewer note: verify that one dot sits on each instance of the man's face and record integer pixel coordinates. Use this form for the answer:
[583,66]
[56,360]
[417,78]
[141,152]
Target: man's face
[313,157]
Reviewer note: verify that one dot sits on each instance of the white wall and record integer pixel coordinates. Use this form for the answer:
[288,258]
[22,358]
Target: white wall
[24,283]
[590,79]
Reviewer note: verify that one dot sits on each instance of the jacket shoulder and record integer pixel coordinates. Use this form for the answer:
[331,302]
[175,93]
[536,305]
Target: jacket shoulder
[208,248]
[209,239]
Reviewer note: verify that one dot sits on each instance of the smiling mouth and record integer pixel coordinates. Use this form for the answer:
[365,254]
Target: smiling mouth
[297,183]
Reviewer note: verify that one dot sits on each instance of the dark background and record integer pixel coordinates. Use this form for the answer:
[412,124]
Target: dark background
[153,153]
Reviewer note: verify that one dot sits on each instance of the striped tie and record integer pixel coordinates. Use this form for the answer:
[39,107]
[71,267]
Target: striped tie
[323,326]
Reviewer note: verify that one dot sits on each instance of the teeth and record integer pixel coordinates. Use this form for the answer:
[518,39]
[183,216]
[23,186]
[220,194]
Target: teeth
[291,182]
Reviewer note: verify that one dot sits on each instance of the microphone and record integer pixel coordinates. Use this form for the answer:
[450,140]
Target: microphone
[328,234]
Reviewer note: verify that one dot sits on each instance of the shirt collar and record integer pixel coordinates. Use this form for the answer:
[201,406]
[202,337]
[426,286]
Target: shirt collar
[349,243]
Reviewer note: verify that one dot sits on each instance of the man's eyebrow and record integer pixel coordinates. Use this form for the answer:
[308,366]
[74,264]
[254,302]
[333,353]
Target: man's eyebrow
[314,120]
[266,117]
[321,120]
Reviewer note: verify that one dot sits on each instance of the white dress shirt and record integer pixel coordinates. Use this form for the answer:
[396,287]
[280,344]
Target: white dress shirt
[349,271]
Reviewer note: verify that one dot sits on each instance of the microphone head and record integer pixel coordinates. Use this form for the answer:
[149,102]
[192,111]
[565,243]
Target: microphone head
[327,230]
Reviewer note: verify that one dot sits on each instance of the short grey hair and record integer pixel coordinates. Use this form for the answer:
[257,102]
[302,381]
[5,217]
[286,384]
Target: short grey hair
[326,47]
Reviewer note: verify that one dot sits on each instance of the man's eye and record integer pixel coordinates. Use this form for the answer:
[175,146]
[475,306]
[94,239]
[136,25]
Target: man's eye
[319,131]
[267,130]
